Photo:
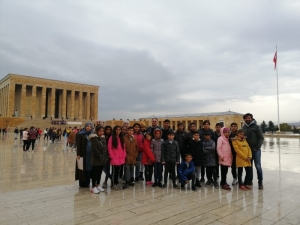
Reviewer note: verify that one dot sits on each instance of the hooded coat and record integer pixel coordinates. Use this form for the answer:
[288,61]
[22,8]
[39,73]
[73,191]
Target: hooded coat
[99,150]
[131,149]
[224,150]
[170,151]
[243,151]
[156,146]
[184,170]
[147,156]
[139,137]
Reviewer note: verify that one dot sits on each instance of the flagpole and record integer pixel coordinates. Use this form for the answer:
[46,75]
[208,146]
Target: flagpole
[277,90]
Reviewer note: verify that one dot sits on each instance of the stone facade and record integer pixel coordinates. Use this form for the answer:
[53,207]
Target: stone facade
[26,96]
[225,118]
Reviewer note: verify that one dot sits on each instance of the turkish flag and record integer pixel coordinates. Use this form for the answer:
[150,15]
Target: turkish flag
[275,60]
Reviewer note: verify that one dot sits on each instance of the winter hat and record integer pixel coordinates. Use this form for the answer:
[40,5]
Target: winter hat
[225,130]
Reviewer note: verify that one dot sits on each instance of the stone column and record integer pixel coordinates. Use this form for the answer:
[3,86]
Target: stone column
[52,103]
[80,107]
[33,101]
[88,105]
[11,99]
[197,124]
[72,104]
[23,101]
[64,103]
[95,106]
[43,102]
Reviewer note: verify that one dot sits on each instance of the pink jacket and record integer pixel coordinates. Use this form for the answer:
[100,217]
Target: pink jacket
[140,140]
[224,150]
[117,156]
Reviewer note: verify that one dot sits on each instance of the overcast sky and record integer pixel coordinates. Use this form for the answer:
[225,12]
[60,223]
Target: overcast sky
[161,57]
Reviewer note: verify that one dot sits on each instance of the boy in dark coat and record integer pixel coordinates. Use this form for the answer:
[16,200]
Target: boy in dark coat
[170,156]
[195,148]
[186,171]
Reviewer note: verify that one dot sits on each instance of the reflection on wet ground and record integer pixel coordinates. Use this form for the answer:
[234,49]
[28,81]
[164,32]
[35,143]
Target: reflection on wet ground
[39,188]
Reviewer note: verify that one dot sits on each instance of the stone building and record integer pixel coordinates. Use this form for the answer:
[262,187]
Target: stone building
[27,96]
[224,118]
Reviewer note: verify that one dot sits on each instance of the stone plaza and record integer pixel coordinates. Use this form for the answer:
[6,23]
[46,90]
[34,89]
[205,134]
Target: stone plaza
[39,188]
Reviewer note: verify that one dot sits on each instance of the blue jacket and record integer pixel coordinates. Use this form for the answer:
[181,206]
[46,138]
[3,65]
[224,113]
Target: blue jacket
[184,170]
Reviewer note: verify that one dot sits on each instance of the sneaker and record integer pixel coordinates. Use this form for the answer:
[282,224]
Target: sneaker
[121,180]
[154,184]
[260,186]
[234,182]
[175,186]
[131,184]
[120,186]
[216,185]
[100,189]
[226,187]
[163,186]
[198,183]
[202,180]
[148,183]
[115,187]
[194,188]
[95,190]
[159,184]
[242,187]
[208,183]
[248,187]
[104,185]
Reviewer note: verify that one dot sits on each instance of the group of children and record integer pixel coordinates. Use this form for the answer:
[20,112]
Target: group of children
[123,153]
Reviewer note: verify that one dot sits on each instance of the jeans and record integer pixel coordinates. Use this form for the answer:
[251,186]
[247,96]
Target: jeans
[256,155]
[148,172]
[158,169]
[115,174]
[169,168]
[128,171]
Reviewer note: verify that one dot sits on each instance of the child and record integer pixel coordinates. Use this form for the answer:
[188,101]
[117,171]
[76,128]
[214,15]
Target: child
[170,156]
[195,148]
[131,154]
[117,155]
[107,134]
[186,171]
[156,148]
[225,156]
[138,135]
[243,159]
[209,160]
[99,157]
[148,159]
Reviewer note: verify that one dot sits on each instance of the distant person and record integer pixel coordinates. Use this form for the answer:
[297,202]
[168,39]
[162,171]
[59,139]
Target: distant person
[25,139]
[255,139]
[21,133]
[46,134]
[16,132]
[31,138]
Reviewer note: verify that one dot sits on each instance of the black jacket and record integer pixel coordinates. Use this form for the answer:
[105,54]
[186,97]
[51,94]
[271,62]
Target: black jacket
[254,135]
[170,152]
[181,137]
[195,148]
[209,153]
[99,150]
[212,134]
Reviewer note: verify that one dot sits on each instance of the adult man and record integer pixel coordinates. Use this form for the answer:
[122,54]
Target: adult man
[151,128]
[255,139]
[165,130]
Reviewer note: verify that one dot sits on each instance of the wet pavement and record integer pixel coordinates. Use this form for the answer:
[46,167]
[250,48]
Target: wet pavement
[39,188]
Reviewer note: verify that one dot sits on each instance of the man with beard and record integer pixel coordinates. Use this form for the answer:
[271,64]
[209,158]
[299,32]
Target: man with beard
[255,139]
[165,130]
[151,128]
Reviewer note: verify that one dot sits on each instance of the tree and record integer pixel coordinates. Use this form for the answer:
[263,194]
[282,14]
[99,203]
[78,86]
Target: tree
[263,126]
[285,127]
[271,126]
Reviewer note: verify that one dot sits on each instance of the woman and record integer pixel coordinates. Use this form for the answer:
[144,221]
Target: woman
[25,139]
[117,155]
[84,151]
[32,134]
[107,134]
[99,157]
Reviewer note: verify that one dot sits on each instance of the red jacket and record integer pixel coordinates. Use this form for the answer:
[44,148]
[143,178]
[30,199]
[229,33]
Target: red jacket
[140,140]
[147,156]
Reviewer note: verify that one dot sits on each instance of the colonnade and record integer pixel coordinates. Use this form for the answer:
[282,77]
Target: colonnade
[39,101]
